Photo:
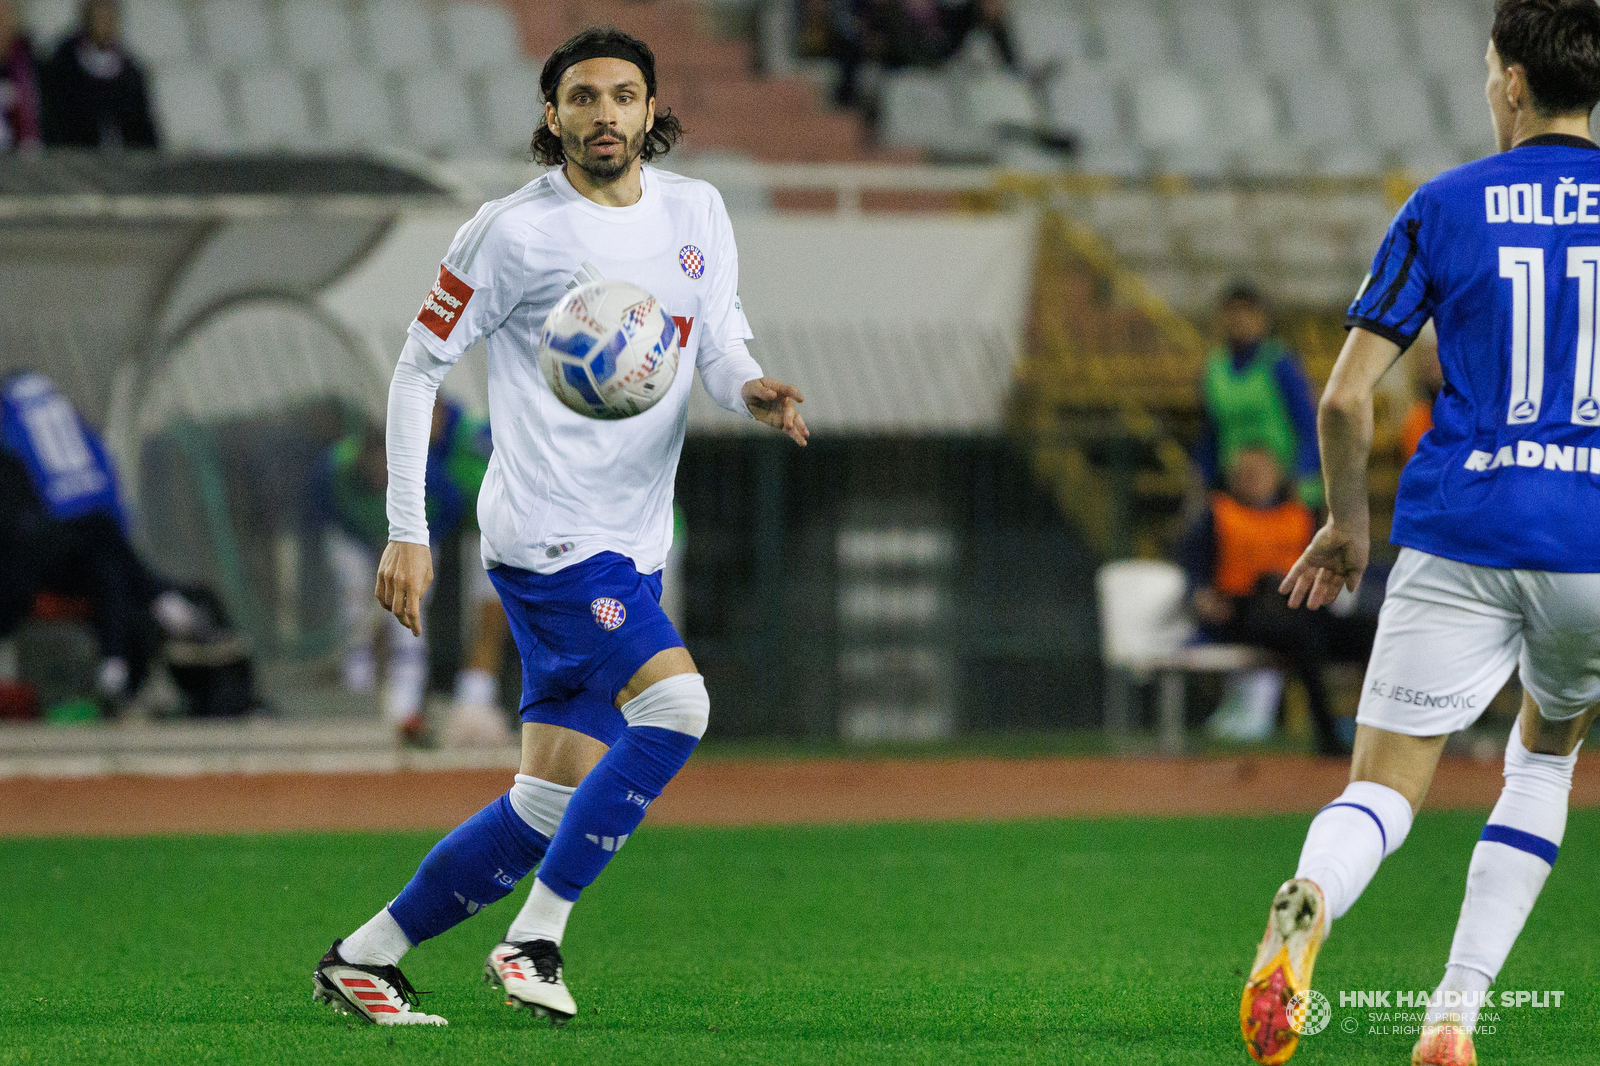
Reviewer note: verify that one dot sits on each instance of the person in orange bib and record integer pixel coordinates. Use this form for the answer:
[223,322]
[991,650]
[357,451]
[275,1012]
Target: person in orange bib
[1235,556]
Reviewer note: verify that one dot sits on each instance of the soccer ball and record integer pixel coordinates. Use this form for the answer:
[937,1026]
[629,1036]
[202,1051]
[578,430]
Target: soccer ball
[609,350]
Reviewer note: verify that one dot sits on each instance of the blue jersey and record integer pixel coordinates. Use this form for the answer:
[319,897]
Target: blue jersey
[1504,255]
[64,458]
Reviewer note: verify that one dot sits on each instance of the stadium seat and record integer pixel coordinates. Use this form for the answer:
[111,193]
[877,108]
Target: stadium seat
[998,102]
[48,21]
[439,114]
[1370,35]
[190,109]
[273,110]
[1398,108]
[237,35]
[918,110]
[1321,111]
[1135,37]
[1449,42]
[1046,34]
[511,110]
[1287,37]
[1467,112]
[481,36]
[1168,111]
[1210,35]
[358,109]
[317,34]
[1082,100]
[400,35]
[157,31]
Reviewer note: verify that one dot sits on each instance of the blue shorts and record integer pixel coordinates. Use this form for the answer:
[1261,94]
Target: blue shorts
[583,632]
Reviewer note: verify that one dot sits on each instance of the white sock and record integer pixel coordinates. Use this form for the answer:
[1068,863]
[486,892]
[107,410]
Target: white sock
[542,917]
[1510,864]
[1459,997]
[378,943]
[540,803]
[478,687]
[1349,838]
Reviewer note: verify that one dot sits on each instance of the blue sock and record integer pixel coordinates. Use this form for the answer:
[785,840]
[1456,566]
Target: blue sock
[480,861]
[610,804]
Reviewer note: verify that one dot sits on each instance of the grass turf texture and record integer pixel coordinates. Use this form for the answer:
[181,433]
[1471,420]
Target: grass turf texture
[1115,941]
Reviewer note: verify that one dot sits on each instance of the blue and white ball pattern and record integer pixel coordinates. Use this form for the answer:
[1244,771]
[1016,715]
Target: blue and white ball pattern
[609,350]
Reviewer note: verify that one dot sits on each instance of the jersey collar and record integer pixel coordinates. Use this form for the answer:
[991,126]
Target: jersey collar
[647,197]
[1562,140]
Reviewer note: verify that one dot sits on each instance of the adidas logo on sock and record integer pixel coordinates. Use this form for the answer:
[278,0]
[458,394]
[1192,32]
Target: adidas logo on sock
[608,843]
[471,905]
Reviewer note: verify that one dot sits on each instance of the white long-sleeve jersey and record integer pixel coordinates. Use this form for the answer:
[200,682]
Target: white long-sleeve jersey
[562,487]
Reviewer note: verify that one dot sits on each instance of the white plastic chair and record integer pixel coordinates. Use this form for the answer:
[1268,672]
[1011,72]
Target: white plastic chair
[1083,101]
[1287,37]
[439,114]
[481,36]
[1450,39]
[273,109]
[1169,111]
[358,108]
[157,31]
[998,101]
[48,21]
[1321,110]
[317,34]
[237,35]
[918,110]
[190,110]
[1398,107]
[1045,34]
[1135,37]
[400,35]
[511,108]
[1370,37]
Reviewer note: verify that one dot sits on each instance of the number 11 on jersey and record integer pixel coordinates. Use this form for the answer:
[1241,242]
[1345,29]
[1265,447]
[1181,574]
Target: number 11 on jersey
[1524,268]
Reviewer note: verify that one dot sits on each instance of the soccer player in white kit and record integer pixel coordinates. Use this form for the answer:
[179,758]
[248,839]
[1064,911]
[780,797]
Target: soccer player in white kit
[576,516]
[1499,566]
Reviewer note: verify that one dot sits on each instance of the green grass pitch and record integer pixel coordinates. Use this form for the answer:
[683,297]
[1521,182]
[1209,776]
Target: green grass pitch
[1113,941]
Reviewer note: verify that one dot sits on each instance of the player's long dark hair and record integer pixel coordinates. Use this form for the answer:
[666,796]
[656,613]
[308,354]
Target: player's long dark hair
[661,136]
[1558,43]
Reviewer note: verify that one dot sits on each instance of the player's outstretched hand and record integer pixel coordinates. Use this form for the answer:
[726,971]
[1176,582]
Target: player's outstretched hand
[774,403]
[1335,559]
[404,575]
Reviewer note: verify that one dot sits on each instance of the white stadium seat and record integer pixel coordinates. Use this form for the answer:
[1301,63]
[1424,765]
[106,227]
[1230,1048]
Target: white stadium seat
[401,35]
[237,34]
[1168,111]
[1398,110]
[273,110]
[439,113]
[1321,111]
[1241,110]
[358,109]
[919,110]
[481,36]
[1467,112]
[1448,40]
[157,31]
[1083,101]
[1287,37]
[317,34]
[1135,36]
[48,21]
[1370,35]
[998,102]
[1046,34]
[511,109]
[1210,34]
[190,110]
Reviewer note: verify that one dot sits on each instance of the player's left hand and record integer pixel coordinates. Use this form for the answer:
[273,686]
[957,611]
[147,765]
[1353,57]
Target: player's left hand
[774,403]
[1335,559]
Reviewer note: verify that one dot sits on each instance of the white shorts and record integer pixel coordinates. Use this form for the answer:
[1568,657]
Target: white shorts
[1450,634]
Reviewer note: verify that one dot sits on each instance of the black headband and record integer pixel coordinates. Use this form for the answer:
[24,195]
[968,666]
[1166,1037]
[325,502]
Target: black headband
[603,50]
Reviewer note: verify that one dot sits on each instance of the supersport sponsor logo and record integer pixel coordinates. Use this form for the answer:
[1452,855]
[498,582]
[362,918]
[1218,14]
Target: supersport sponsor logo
[442,307]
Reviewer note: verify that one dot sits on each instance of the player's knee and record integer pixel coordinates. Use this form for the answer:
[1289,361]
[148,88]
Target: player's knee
[679,703]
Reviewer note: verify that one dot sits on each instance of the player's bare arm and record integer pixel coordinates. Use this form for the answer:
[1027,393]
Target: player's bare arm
[405,573]
[776,404]
[1337,555]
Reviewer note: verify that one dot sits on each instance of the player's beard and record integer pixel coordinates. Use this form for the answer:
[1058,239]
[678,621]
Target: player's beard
[602,170]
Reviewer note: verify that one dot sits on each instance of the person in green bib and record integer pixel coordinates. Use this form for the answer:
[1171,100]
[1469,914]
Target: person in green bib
[1254,392]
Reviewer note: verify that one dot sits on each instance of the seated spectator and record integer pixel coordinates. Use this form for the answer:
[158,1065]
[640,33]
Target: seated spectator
[94,92]
[899,34]
[1235,557]
[19,85]
[1254,390]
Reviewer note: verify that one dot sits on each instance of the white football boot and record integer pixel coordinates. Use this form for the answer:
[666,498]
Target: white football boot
[530,975]
[377,994]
